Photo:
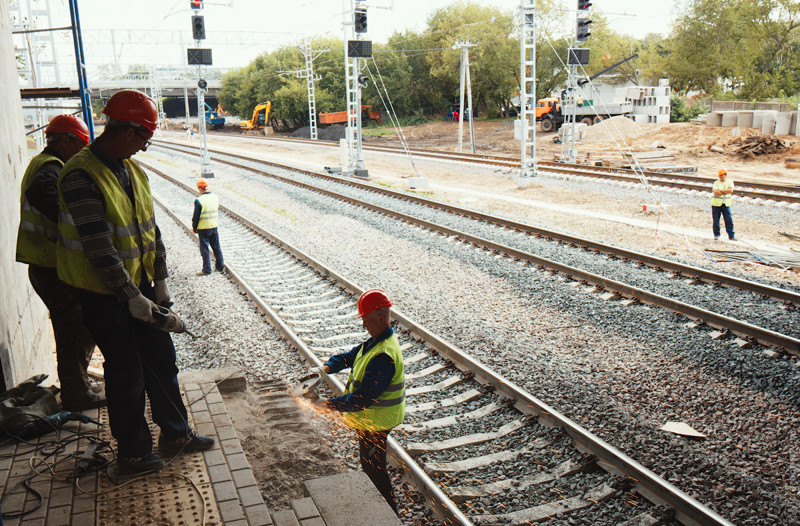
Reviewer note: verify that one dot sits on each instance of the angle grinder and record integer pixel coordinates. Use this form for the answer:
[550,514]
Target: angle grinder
[307,387]
[168,321]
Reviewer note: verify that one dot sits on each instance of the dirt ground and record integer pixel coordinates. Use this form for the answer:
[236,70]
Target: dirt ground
[281,457]
[690,142]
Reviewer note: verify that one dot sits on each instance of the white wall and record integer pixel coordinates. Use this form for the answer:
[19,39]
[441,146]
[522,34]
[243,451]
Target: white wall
[25,332]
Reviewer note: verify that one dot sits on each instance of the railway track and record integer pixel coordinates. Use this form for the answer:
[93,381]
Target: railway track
[613,274]
[767,192]
[467,425]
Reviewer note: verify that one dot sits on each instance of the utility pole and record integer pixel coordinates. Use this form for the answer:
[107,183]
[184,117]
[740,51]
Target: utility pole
[464,45]
[527,91]
[308,74]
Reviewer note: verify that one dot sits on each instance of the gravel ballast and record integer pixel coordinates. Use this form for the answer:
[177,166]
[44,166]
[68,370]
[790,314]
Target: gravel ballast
[621,371]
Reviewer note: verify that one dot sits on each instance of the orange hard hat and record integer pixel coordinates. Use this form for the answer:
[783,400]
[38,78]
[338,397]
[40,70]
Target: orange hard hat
[372,300]
[68,124]
[723,171]
[202,183]
[133,106]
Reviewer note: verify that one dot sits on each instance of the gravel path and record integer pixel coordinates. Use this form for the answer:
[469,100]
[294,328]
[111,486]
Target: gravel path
[620,371]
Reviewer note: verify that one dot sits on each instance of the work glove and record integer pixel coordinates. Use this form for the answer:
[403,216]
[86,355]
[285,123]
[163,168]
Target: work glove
[142,308]
[161,292]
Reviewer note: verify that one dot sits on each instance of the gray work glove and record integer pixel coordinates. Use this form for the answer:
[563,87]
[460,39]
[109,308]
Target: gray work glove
[161,292]
[142,308]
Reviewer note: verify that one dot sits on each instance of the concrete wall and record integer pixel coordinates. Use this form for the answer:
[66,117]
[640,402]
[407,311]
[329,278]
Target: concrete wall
[25,333]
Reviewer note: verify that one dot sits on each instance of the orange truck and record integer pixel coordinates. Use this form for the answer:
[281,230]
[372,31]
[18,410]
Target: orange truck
[340,117]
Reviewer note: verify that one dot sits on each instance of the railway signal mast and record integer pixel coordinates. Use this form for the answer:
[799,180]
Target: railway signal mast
[527,91]
[576,57]
[355,51]
[200,57]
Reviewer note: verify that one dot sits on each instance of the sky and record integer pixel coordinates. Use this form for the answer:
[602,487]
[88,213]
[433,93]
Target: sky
[157,32]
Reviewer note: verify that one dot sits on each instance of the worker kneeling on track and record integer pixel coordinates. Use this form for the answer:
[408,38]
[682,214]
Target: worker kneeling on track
[374,397]
[110,249]
[36,246]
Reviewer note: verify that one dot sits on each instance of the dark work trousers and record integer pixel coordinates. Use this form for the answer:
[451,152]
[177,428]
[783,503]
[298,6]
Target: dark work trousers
[372,447]
[725,212]
[209,236]
[74,344]
[139,359]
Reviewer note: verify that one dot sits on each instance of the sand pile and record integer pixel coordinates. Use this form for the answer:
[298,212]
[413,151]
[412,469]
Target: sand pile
[613,129]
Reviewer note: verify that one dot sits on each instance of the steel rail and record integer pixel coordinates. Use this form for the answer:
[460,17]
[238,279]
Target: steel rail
[709,276]
[687,510]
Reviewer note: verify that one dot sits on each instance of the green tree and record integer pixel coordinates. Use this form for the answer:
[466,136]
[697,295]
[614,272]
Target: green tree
[494,69]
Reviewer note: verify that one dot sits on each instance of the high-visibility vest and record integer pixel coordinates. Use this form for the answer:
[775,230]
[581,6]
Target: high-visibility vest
[37,234]
[390,408]
[208,212]
[719,201]
[133,232]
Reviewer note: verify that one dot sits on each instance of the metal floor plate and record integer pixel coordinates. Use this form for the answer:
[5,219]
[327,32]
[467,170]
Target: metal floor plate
[164,498]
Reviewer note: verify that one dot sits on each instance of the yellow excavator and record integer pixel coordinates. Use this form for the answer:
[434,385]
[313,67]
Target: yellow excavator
[260,117]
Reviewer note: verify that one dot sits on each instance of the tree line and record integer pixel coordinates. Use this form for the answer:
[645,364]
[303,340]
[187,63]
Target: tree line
[746,49]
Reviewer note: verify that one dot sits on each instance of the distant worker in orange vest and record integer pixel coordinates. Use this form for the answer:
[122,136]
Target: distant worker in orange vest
[204,224]
[721,204]
[36,245]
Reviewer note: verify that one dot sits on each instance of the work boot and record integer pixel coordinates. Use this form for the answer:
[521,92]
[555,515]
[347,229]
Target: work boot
[82,402]
[191,442]
[203,273]
[127,466]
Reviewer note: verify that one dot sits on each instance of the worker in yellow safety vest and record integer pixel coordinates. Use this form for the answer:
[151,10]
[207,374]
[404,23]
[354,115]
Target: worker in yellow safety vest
[110,249]
[36,245]
[374,399]
[721,200]
[204,224]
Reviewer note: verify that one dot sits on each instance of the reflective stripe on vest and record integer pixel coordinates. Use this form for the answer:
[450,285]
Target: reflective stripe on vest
[133,232]
[719,201]
[208,212]
[390,407]
[36,237]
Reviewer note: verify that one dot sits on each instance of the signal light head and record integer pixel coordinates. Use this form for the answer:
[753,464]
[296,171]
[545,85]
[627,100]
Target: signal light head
[360,20]
[583,5]
[582,31]
[196,4]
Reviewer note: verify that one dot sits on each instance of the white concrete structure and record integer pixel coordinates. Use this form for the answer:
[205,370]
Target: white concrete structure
[25,334]
[651,104]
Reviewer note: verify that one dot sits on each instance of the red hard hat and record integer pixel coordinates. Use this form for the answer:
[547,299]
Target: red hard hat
[133,106]
[371,300]
[68,124]
[202,183]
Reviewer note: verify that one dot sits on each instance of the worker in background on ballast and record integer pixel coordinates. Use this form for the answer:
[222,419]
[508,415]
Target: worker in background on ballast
[374,397]
[36,245]
[204,224]
[721,204]
[110,248]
